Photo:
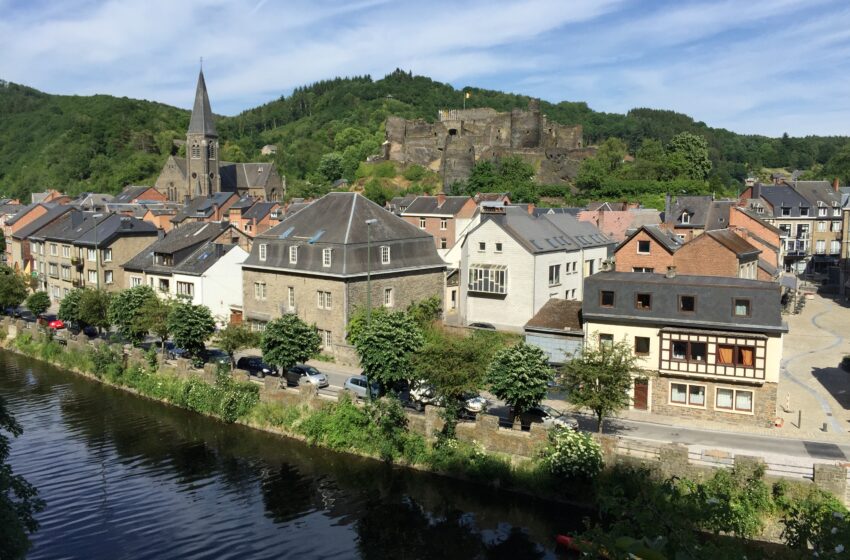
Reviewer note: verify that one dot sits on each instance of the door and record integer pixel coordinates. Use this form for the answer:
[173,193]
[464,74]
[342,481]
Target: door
[235,317]
[641,399]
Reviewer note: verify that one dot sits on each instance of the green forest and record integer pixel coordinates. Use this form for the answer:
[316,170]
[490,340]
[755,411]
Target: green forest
[102,143]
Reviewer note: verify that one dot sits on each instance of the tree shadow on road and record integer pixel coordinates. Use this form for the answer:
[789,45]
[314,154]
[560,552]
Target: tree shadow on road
[837,382]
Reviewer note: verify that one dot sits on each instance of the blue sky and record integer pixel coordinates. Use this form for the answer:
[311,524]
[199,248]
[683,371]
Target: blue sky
[752,66]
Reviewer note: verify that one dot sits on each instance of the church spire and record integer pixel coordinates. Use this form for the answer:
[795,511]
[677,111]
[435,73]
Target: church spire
[202,117]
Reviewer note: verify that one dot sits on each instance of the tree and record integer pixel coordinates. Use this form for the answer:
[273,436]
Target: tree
[233,338]
[69,307]
[154,315]
[94,308]
[330,166]
[13,287]
[19,501]
[453,365]
[693,150]
[611,154]
[519,375]
[600,378]
[482,178]
[125,312]
[517,177]
[191,326]
[385,345]
[289,340]
[38,302]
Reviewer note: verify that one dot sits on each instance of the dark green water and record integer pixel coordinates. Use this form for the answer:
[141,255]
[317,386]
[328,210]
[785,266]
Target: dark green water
[124,477]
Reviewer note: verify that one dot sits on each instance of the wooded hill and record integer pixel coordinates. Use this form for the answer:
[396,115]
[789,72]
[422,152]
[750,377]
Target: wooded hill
[101,143]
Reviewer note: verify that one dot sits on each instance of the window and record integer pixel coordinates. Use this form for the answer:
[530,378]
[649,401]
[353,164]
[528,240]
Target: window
[685,351]
[66,251]
[734,355]
[686,218]
[53,249]
[643,247]
[257,326]
[263,251]
[836,211]
[804,211]
[91,255]
[290,297]
[106,255]
[92,277]
[135,281]
[185,289]
[211,152]
[108,276]
[259,291]
[643,301]
[444,223]
[785,211]
[53,270]
[834,247]
[821,226]
[606,340]
[836,227]
[606,298]
[66,273]
[822,211]
[482,246]
[323,300]
[641,345]
[686,394]
[741,307]
[388,297]
[734,399]
[489,279]
[555,275]
[293,254]
[687,304]
[326,257]
[164,285]
[443,243]
[326,338]
[196,151]
[644,269]
[820,246]
[421,223]
[498,247]
[385,255]
[570,294]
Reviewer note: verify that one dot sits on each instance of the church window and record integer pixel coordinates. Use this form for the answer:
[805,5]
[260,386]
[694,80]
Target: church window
[211,150]
[212,175]
[196,151]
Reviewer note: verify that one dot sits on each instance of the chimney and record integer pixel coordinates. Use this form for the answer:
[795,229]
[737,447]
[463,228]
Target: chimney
[441,199]
[835,184]
[671,272]
[531,208]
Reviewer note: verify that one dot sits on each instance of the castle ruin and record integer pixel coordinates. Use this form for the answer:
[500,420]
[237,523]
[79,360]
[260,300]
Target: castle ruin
[461,137]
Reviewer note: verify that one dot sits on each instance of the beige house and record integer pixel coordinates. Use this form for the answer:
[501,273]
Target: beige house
[713,345]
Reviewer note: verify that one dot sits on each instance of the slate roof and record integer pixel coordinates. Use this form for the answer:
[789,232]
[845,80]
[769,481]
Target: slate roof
[92,200]
[755,216]
[294,208]
[201,121]
[779,196]
[557,315]
[201,206]
[202,258]
[733,242]
[705,212]
[111,227]
[664,237]
[399,203]
[130,193]
[66,228]
[818,191]
[243,203]
[715,297]
[337,221]
[548,233]
[541,211]
[259,210]
[243,176]
[34,226]
[179,241]
[429,206]
[23,212]
[10,208]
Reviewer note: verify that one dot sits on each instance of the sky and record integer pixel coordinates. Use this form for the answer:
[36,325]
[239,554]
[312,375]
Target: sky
[751,66]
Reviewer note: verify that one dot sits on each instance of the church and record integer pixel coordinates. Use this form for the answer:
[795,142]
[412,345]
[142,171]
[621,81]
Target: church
[201,173]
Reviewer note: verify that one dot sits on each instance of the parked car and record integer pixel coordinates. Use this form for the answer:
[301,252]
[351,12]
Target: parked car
[549,417]
[27,316]
[56,324]
[173,352]
[74,328]
[13,311]
[302,373]
[357,385]
[45,319]
[255,366]
[216,356]
[423,393]
[487,326]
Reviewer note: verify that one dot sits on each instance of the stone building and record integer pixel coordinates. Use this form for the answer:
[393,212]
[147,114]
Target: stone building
[712,346]
[202,173]
[461,137]
[316,264]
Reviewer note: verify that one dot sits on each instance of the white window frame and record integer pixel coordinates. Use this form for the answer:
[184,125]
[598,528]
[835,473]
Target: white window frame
[91,255]
[385,254]
[388,297]
[488,279]
[54,251]
[66,251]
[260,291]
[262,252]
[326,257]
[554,275]
[293,254]
[290,297]
[106,254]
[685,218]
[687,403]
[648,251]
[92,276]
[820,246]
[108,277]
[444,224]
[186,289]
[821,226]
[421,223]
[836,227]
[834,247]
[65,272]
[735,409]
[822,211]
[135,281]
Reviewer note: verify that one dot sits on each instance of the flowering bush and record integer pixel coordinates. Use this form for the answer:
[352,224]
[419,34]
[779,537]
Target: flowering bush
[571,454]
[818,521]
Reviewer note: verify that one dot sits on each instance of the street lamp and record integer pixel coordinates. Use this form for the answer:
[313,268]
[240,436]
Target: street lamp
[369,272]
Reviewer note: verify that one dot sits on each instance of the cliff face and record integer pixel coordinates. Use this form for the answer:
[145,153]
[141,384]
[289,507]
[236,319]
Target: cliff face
[461,137]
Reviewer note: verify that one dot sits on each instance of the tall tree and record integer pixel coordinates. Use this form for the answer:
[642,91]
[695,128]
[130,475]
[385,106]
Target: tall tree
[38,302]
[600,378]
[154,316]
[331,166]
[385,345]
[519,375]
[125,312]
[19,501]
[191,326]
[69,307]
[289,340]
[234,338]
[94,308]
[13,287]
[693,150]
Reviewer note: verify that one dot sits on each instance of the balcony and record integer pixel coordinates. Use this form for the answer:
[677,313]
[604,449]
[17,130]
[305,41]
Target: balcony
[78,283]
[77,261]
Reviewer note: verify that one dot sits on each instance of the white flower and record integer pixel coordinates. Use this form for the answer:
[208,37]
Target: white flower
[839,549]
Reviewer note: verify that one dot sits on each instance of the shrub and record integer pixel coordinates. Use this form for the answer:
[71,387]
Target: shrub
[385,170]
[572,454]
[414,173]
[818,520]
[732,501]
[273,414]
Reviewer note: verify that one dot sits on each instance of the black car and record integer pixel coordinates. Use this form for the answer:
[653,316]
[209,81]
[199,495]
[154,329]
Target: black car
[89,331]
[255,366]
[487,326]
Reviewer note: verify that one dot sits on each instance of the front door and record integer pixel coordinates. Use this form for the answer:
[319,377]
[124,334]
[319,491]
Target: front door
[641,394]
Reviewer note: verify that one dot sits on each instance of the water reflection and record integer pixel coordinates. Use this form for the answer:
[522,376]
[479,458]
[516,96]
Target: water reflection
[125,477]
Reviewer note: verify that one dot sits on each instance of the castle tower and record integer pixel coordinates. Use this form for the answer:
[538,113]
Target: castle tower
[202,169]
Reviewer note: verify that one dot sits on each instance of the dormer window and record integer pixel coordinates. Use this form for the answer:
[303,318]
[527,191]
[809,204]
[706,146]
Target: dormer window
[836,211]
[263,251]
[385,255]
[293,254]
[606,298]
[804,210]
[741,307]
[326,257]
[785,211]
[643,302]
[822,211]
[685,218]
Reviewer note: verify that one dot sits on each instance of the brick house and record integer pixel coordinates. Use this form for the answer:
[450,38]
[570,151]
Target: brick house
[758,233]
[720,252]
[649,248]
[691,216]
[12,224]
[316,262]
[211,208]
[713,345]
[444,217]
[135,193]
[254,216]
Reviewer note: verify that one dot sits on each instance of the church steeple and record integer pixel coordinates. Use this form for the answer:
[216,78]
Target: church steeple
[202,162]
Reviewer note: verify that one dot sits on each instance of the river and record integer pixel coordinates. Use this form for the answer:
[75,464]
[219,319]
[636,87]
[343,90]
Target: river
[125,477]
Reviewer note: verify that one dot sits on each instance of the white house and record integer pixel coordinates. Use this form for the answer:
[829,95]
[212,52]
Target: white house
[212,276]
[512,263]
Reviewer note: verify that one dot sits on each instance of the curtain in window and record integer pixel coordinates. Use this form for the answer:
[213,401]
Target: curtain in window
[678,393]
[743,400]
[724,354]
[696,395]
[724,398]
[745,356]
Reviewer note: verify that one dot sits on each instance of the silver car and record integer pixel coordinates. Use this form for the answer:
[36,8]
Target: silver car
[302,373]
[357,385]
[550,418]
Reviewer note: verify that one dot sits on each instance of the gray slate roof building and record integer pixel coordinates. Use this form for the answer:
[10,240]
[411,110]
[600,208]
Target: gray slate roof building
[818,193]
[202,258]
[430,206]
[782,197]
[175,246]
[703,212]
[110,227]
[664,237]
[337,223]
[53,212]
[202,206]
[714,300]
[202,121]
[131,193]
